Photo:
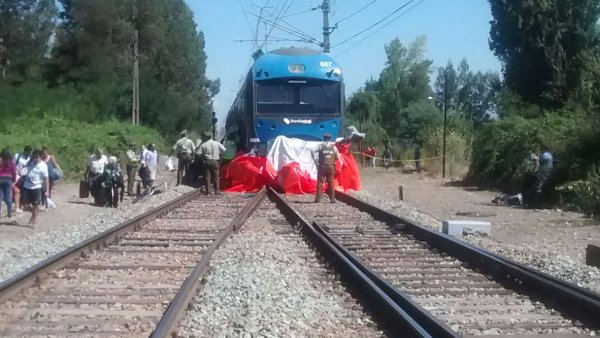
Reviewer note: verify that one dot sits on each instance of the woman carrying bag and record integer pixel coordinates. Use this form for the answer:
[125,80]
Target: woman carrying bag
[54,171]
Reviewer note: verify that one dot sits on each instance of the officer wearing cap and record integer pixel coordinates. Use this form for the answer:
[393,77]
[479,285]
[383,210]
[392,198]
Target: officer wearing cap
[327,154]
[131,166]
[210,152]
[184,148]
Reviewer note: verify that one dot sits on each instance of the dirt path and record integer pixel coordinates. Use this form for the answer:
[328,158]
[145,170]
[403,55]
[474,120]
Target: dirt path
[70,208]
[568,232]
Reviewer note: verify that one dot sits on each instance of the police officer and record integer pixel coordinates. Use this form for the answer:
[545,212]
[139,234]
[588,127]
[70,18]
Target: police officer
[327,154]
[184,148]
[210,151]
[131,166]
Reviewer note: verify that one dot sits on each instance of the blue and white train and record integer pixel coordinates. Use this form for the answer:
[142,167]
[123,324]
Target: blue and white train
[295,92]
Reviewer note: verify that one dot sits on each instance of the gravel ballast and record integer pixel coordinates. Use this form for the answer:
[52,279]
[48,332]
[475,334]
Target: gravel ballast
[261,284]
[18,255]
[541,257]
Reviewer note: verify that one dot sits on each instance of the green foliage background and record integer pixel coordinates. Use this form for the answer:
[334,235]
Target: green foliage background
[66,75]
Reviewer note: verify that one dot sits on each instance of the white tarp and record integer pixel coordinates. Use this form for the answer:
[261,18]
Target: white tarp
[287,150]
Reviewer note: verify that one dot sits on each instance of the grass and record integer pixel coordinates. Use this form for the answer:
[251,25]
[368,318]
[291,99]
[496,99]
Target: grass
[72,141]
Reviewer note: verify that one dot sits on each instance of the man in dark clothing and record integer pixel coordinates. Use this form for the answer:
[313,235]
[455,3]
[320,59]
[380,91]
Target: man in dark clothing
[327,154]
[545,165]
[417,158]
[387,157]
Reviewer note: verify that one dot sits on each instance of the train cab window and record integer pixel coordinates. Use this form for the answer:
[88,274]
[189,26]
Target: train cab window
[321,95]
[275,93]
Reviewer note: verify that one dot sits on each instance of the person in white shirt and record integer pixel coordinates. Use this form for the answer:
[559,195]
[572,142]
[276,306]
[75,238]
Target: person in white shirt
[34,180]
[150,162]
[95,169]
[22,159]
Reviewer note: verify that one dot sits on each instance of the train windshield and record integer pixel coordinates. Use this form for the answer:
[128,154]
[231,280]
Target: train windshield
[298,97]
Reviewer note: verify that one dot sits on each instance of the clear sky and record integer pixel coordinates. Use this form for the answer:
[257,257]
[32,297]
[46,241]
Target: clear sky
[455,29]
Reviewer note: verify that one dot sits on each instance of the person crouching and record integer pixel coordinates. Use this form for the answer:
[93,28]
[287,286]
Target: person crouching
[112,182]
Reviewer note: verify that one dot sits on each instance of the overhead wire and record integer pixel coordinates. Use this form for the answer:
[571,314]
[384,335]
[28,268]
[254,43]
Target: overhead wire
[356,12]
[284,29]
[246,16]
[302,12]
[302,35]
[376,23]
[380,28]
[291,27]
[278,18]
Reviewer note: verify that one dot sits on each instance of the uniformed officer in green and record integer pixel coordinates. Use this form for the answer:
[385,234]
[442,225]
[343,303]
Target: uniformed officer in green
[327,154]
[184,148]
[210,151]
[131,166]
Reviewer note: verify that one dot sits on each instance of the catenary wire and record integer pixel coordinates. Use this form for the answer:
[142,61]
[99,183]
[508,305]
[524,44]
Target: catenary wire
[380,28]
[356,12]
[375,24]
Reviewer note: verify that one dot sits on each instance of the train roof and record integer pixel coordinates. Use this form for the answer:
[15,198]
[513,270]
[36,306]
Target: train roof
[296,62]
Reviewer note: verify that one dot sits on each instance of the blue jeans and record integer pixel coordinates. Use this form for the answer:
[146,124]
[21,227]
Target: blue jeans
[6,185]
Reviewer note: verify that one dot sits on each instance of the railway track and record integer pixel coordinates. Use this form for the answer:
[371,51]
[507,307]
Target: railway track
[448,287]
[138,279]
[378,274]
[270,282]
[129,281]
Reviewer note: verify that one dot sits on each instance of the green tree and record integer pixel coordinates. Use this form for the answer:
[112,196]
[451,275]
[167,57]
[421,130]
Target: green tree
[93,52]
[452,86]
[25,30]
[404,80]
[543,46]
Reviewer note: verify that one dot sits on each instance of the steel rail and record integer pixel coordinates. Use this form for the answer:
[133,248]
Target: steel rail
[184,296]
[584,306]
[13,285]
[393,317]
[433,325]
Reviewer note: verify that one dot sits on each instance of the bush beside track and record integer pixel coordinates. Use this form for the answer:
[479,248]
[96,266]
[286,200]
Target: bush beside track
[72,141]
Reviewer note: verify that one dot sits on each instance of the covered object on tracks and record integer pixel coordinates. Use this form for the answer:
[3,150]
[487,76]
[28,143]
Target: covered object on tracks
[288,167]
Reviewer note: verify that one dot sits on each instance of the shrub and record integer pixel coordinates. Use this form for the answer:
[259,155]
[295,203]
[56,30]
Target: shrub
[584,194]
[501,149]
[72,141]
[457,152]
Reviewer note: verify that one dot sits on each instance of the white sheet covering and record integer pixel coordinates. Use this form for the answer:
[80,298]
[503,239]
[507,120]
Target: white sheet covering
[287,150]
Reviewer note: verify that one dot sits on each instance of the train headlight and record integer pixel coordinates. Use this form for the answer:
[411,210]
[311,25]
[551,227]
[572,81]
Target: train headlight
[296,68]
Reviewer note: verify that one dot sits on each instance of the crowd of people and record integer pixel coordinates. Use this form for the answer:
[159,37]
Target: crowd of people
[104,179]
[27,179]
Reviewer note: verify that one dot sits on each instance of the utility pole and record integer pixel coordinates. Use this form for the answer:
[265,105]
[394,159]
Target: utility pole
[445,108]
[213,120]
[326,29]
[135,111]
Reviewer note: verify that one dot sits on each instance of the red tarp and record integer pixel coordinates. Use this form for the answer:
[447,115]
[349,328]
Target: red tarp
[249,174]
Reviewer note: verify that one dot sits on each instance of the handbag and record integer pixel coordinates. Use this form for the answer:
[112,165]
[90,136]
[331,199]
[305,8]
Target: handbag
[21,182]
[55,174]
